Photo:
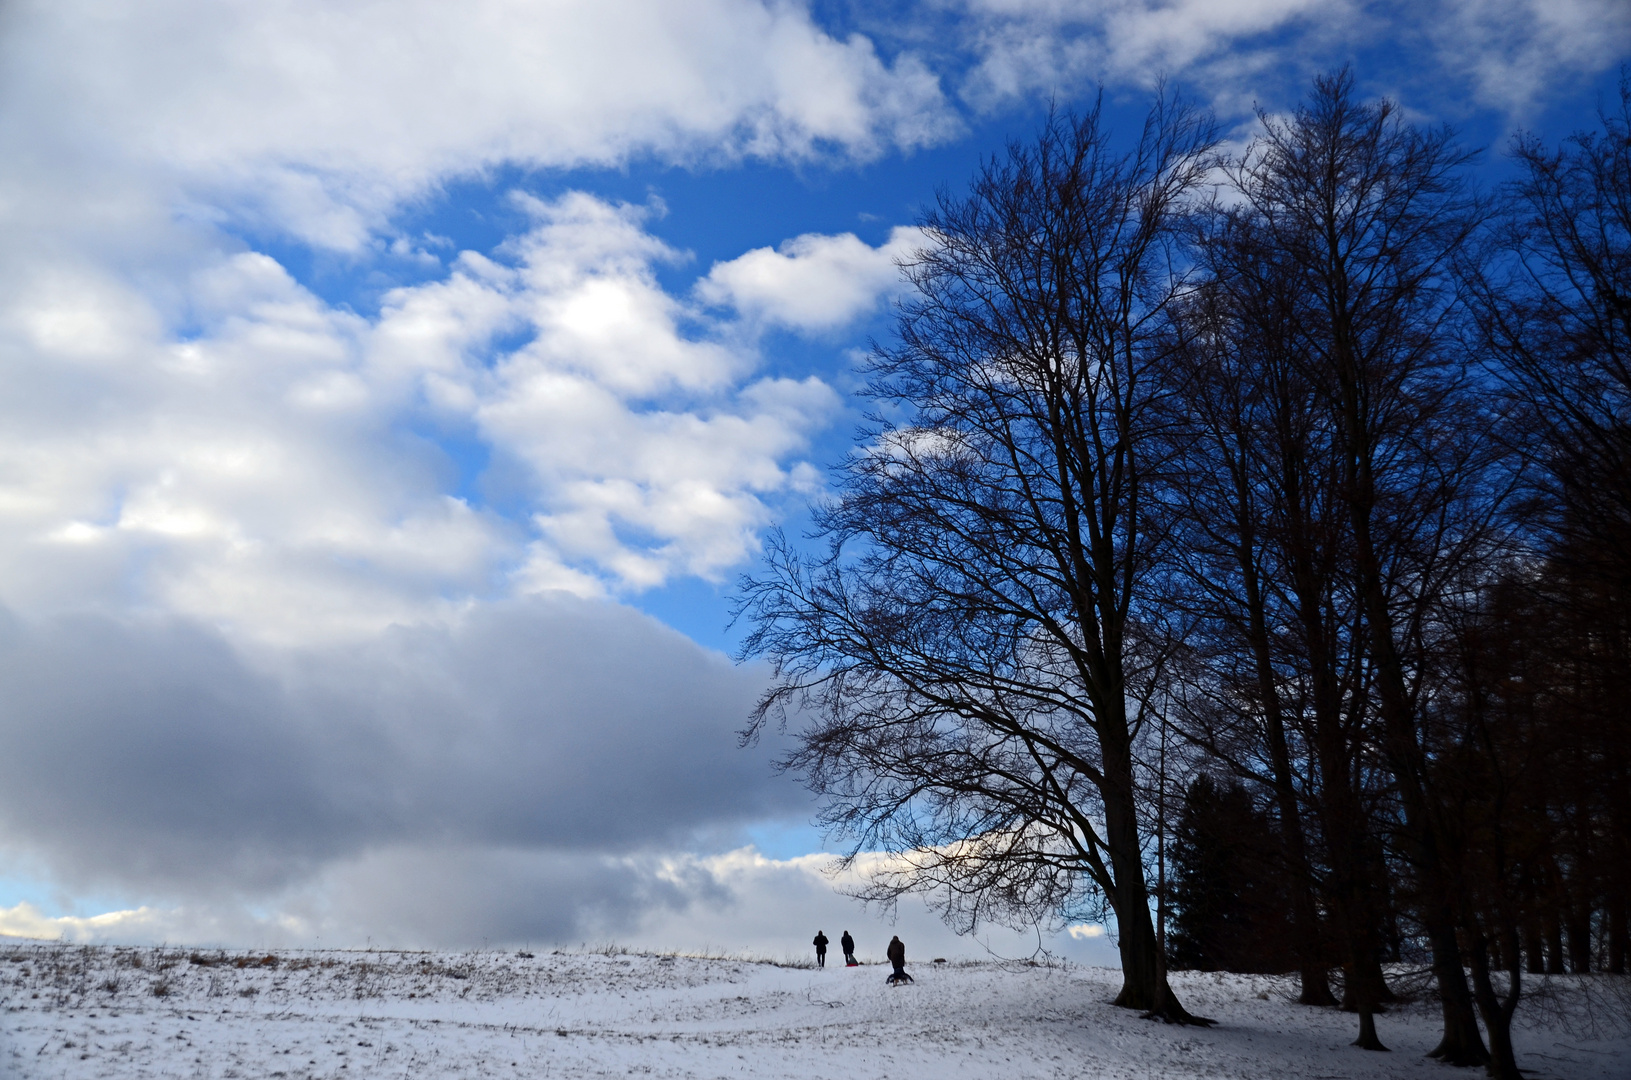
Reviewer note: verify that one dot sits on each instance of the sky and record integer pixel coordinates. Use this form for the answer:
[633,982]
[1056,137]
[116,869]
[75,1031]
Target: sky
[391,394]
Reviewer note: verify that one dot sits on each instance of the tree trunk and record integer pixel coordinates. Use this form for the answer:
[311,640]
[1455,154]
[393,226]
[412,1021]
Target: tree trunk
[1579,931]
[1461,1043]
[1343,821]
[1143,975]
[1140,973]
[1616,935]
[1315,979]
[1312,973]
[1554,943]
[1392,936]
[1497,1013]
[1367,1031]
[1362,982]
[1366,972]
[1364,1003]
[1143,981]
[1362,975]
[1534,950]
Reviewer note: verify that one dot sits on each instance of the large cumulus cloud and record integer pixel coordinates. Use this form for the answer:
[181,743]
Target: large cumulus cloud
[318,119]
[270,462]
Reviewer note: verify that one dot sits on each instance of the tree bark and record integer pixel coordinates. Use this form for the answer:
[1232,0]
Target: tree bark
[1534,948]
[1497,1013]
[1616,935]
[1579,932]
[1460,1043]
[1313,976]
[1554,941]
[1143,975]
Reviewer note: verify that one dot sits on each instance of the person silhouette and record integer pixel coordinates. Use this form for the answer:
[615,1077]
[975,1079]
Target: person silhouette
[848,945]
[821,949]
[897,957]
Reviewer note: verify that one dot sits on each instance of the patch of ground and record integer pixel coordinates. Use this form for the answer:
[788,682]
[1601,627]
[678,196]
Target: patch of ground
[77,1012]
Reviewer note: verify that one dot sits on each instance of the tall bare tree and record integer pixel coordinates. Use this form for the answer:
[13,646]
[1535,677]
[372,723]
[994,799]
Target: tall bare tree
[1262,544]
[1559,319]
[1374,216]
[973,657]
[1547,654]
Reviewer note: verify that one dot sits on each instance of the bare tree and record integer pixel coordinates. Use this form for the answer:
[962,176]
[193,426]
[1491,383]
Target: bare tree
[1373,216]
[1260,558]
[976,652]
[1493,771]
[1558,316]
[1539,749]
[1559,319]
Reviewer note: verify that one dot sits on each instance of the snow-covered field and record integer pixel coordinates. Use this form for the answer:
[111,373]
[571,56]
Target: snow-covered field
[77,1011]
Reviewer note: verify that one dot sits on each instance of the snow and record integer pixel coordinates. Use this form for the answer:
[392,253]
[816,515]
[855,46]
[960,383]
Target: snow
[69,1011]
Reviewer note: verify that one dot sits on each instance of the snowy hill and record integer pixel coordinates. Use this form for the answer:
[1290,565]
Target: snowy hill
[76,1011]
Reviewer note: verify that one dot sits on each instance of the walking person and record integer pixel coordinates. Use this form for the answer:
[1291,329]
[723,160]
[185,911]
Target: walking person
[821,949]
[848,945]
[897,956]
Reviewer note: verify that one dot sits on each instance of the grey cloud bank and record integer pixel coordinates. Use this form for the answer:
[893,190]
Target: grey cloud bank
[535,772]
[156,757]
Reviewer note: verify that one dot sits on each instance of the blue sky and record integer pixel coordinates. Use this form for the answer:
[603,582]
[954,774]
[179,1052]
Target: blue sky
[393,392]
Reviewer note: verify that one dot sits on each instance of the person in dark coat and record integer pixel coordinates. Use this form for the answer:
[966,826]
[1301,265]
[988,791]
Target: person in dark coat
[897,956]
[848,945]
[821,949]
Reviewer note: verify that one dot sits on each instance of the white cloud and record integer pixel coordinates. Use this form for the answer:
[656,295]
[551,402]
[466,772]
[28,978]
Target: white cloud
[1028,46]
[1025,47]
[529,772]
[273,464]
[650,446]
[245,532]
[426,897]
[27,921]
[240,475]
[1511,52]
[318,119]
[812,282]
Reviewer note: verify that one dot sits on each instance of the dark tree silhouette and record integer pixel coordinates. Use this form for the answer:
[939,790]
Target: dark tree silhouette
[1537,759]
[1557,314]
[1260,547]
[975,655]
[1229,893]
[1373,216]
[1328,478]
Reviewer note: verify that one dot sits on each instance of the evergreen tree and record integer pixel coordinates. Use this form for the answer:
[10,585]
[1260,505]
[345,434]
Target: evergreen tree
[1231,900]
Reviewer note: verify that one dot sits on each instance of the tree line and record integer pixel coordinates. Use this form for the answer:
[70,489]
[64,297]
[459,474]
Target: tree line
[1244,540]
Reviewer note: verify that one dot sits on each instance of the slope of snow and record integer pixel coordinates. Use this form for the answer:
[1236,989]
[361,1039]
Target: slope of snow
[97,1011]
